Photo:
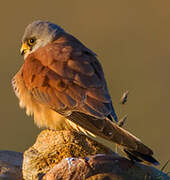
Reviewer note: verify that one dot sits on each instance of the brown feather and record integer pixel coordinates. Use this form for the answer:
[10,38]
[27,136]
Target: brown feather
[63,85]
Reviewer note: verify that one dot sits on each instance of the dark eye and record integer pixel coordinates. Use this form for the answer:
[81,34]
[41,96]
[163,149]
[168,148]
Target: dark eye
[31,41]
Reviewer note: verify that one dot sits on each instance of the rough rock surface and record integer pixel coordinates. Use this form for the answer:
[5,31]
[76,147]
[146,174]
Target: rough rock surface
[65,155]
[10,165]
[53,146]
[103,167]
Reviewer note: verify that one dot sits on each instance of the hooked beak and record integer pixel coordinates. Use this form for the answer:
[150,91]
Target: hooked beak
[24,49]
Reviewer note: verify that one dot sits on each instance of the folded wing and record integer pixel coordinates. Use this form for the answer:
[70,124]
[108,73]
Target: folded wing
[67,77]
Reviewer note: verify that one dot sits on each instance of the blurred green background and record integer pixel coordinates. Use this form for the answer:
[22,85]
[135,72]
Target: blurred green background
[132,40]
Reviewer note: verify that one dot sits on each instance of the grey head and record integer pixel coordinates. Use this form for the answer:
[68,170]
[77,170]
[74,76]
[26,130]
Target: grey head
[38,34]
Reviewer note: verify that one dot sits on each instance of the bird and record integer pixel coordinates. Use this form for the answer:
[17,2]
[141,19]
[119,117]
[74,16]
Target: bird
[62,84]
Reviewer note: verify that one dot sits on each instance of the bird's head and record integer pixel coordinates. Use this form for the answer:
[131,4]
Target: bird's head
[38,34]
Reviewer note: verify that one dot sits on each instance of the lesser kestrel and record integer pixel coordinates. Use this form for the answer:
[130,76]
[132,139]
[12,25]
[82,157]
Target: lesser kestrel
[62,84]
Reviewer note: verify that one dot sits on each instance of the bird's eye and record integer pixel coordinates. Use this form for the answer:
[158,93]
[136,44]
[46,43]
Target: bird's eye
[31,41]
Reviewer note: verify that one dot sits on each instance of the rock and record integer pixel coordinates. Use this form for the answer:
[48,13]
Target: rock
[66,155]
[53,146]
[103,167]
[11,165]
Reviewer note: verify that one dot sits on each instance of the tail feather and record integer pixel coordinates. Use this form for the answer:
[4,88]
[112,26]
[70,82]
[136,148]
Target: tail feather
[131,156]
[106,132]
[139,157]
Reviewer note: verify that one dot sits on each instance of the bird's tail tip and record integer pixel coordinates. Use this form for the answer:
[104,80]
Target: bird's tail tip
[139,157]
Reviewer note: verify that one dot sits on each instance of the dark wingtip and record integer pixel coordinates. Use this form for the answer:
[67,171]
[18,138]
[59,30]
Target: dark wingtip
[139,157]
[156,163]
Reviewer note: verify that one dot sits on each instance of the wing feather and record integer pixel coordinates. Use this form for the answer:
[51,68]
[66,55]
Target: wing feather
[68,75]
